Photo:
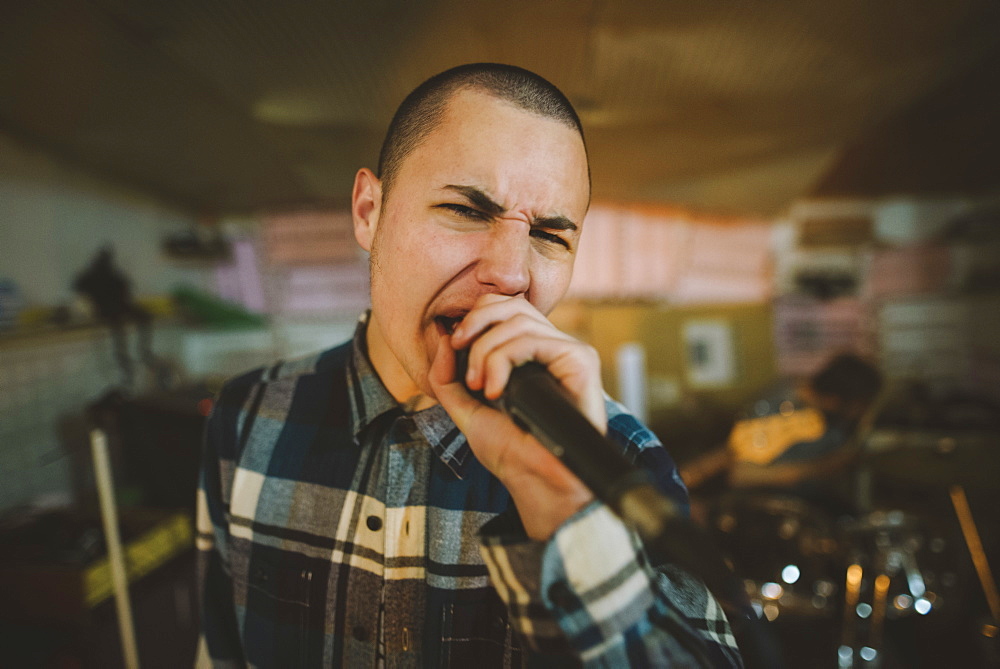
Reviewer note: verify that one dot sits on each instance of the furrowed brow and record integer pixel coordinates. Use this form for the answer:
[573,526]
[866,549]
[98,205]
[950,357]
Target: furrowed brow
[479,199]
[487,205]
[553,223]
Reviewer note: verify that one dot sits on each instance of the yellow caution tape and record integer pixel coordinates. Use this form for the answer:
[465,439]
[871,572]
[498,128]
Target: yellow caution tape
[142,555]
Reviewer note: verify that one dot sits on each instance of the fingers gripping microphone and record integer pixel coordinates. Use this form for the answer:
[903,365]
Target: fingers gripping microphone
[538,404]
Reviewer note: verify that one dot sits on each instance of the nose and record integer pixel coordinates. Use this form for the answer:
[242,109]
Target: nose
[505,258]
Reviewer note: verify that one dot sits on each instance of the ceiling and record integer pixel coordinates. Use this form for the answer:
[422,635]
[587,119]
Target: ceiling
[226,106]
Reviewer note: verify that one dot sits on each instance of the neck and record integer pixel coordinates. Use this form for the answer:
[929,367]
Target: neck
[391,372]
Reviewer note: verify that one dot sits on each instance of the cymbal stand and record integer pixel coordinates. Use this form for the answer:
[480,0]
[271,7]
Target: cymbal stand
[894,556]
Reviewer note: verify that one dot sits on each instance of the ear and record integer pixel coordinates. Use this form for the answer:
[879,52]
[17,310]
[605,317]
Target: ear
[366,203]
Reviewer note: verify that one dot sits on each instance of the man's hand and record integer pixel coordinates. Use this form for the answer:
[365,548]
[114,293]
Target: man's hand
[505,332]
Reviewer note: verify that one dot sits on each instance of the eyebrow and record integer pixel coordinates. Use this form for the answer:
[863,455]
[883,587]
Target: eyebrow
[486,204]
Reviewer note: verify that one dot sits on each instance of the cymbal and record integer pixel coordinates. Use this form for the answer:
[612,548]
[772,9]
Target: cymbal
[936,459]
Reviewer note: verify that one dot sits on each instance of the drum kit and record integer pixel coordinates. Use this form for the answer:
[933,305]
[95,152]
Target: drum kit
[879,564]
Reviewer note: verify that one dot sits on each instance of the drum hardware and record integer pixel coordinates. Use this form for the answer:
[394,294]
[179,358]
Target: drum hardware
[919,459]
[885,581]
[801,564]
[786,550]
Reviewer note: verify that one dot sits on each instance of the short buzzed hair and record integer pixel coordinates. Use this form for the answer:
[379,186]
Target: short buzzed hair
[424,107]
[848,377]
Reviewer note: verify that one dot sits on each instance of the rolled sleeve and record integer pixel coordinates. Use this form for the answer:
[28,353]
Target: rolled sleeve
[590,589]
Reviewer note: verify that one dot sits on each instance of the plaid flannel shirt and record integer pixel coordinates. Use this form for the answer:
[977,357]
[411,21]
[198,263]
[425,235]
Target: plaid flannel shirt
[335,528]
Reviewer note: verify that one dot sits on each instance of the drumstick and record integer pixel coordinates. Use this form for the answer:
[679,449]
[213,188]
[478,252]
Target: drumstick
[109,518]
[971,534]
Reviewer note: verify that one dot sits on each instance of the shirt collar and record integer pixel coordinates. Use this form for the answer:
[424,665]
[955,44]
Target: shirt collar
[446,441]
[370,399]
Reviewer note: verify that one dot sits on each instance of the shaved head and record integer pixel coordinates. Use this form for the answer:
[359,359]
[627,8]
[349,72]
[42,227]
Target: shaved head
[424,108]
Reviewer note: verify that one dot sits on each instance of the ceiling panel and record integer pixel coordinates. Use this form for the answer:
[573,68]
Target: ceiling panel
[233,105]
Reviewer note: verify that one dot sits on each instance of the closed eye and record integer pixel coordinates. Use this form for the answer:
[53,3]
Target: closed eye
[538,233]
[462,210]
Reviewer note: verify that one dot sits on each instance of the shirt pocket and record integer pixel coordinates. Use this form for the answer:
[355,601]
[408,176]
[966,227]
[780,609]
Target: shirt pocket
[478,634]
[277,615]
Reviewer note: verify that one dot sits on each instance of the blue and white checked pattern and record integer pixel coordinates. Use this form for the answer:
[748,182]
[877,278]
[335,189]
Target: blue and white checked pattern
[337,529]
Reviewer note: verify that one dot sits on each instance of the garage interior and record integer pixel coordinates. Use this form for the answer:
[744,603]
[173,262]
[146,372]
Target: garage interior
[774,185]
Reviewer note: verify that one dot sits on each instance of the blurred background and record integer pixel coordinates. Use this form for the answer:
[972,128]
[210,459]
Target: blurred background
[790,269]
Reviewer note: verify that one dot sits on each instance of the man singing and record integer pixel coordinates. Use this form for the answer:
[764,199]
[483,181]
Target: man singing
[360,508]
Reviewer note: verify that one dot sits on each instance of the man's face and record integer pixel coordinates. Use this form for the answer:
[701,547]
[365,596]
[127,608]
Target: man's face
[492,202]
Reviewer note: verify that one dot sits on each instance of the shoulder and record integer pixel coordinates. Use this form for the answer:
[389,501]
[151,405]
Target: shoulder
[291,371]
[242,397]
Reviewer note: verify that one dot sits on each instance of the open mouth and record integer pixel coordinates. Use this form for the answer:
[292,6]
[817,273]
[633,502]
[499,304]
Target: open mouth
[448,323]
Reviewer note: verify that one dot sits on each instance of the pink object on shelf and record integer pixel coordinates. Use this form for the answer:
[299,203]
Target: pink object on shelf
[726,263]
[808,332]
[913,270]
[634,254]
[240,280]
[310,237]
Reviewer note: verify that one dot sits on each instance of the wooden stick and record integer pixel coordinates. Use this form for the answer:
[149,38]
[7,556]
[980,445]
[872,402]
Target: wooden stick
[975,545]
[116,557]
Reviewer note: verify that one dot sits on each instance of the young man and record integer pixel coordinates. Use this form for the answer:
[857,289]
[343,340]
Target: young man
[361,508]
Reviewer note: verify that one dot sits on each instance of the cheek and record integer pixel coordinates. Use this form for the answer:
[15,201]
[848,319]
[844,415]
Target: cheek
[434,260]
[408,269]
[549,283]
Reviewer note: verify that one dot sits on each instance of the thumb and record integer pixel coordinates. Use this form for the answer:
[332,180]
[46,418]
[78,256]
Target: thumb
[448,390]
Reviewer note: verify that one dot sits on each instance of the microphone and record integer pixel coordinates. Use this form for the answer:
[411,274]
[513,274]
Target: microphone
[541,406]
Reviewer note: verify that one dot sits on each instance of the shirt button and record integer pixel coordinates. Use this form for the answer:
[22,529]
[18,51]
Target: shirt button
[374,523]
[360,633]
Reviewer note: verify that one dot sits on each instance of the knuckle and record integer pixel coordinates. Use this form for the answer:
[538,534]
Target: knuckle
[586,354]
[522,321]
